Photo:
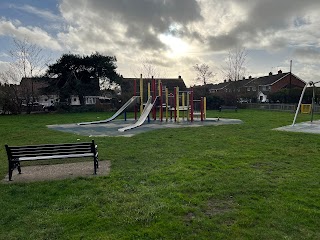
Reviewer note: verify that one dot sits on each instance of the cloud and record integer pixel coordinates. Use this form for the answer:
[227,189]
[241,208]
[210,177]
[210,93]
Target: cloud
[134,30]
[137,22]
[308,55]
[33,34]
[267,24]
[45,14]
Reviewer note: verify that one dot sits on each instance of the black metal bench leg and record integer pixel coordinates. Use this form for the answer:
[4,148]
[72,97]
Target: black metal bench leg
[10,170]
[95,165]
[19,168]
[97,162]
[10,175]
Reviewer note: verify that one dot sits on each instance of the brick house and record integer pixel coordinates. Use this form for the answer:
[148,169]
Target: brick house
[259,87]
[127,85]
[31,90]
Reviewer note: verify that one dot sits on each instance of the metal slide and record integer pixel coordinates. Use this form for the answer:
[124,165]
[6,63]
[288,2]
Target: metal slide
[127,104]
[143,117]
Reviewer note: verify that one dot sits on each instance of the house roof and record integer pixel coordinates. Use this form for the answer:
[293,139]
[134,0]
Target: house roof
[251,82]
[41,86]
[267,80]
[37,84]
[220,85]
[239,83]
[170,83]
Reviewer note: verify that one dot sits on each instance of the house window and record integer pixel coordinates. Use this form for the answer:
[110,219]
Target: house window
[74,99]
[261,98]
[254,89]
[248,89]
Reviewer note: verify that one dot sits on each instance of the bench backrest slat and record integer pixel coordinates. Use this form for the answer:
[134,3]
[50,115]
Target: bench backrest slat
[47,150]
[52,145]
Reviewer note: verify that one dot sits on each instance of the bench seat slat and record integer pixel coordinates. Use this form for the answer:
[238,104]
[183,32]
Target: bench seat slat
[54,157]
[36,148]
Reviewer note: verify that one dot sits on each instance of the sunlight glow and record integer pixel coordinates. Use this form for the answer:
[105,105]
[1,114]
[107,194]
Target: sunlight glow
[177,47]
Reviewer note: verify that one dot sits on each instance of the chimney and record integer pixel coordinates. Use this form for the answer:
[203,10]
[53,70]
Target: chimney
[229,80]
[225,81]
[270,73]
[243,78]
[279,72]
[250,77]
[179,77]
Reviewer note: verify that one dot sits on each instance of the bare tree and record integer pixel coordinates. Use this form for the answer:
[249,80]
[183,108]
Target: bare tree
[148,69]
[27,61]
[235,64]
[203,73]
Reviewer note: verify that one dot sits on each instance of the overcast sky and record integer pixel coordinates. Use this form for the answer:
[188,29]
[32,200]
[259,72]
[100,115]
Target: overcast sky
[173,35]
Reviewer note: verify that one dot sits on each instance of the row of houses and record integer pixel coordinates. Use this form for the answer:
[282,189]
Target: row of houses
[244,89]
[259,87]
[31,90]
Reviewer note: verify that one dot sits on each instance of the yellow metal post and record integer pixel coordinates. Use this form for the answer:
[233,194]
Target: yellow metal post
[141,94]
[182,99]
[188,107]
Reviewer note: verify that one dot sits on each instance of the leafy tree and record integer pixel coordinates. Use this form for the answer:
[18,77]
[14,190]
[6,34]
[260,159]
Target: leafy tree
[10,101]
[214,102]
[81,75]
[291,96]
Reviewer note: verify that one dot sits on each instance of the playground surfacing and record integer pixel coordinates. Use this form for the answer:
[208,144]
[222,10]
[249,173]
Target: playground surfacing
[304,127]
[111,128]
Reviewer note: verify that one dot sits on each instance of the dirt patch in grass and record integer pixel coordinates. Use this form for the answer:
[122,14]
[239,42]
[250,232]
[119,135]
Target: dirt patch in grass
[217,207]
[58,171]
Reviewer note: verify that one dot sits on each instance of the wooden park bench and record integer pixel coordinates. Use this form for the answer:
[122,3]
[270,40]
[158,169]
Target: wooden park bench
[17,154]
[228,108]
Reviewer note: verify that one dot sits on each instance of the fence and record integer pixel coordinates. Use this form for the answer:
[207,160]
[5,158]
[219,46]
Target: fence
[275,107]
[278,107]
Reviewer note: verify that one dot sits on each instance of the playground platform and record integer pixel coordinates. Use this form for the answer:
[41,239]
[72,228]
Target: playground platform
[111,128]
[304,127]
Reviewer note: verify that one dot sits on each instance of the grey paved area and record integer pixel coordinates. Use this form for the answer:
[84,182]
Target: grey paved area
[111,129]
[305,127]
[57,171]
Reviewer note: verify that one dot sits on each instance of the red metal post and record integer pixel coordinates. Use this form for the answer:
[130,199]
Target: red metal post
[153,98]
[161,102]
[134,94]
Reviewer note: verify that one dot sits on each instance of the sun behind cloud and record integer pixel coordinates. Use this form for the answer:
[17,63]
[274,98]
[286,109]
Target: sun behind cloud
[176,46]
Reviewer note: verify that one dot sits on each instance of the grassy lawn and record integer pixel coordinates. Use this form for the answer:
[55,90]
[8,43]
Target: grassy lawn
[216,182]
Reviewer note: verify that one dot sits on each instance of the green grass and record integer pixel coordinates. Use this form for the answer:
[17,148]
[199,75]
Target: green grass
[216,182]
